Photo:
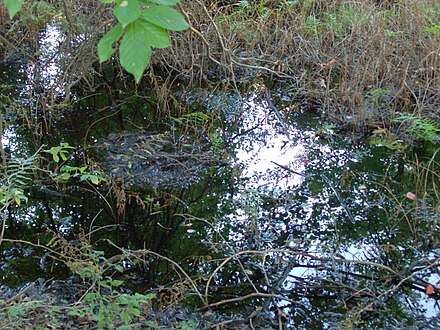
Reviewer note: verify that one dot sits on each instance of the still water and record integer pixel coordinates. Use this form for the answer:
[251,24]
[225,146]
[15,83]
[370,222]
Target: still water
[258,198]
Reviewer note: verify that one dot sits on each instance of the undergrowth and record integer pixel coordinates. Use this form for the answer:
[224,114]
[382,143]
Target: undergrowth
[362,59]
[337,54]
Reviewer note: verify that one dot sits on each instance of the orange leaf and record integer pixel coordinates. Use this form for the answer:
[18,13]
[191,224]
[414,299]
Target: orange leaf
[430,290]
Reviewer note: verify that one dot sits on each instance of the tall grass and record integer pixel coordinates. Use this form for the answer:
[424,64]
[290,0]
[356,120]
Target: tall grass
[337,52]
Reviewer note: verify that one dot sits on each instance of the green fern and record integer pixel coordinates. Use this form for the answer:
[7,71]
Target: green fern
[15,177]
[419,128]
[396,145]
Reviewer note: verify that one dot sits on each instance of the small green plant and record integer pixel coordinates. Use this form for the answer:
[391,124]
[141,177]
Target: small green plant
[195,118]
[418,127]
[390,33]
[62,151]
[187,325]
[8,194]
[15,314]
[313,25]
[105,302]
[383,137]
[378,92]
[326,131]
[433,28]
[15,177]
[395,145]
[82,172]
[109,307]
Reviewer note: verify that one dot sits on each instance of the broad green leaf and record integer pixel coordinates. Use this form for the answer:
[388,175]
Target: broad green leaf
[64,154]
[108,1]
[124,299]
[154,35]
[75,312]
[64,176]
[161,2]
[13,6]
[135,311]
[116,282]
[125,317]
[82,169]
[119,268]
[67,168]
[127,11]
[134,52]
[165,17]
[105,49]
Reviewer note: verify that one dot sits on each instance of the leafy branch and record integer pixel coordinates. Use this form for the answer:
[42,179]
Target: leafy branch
[420,128]
[142,25]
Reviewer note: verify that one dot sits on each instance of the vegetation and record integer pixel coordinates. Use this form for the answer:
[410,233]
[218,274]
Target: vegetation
[354,245]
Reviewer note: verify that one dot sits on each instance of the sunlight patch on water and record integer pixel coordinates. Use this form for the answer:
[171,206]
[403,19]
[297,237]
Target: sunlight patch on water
[267,145]
[48,73]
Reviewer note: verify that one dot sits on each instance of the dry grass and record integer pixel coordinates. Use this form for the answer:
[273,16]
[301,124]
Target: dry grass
[363,61]
[357,58]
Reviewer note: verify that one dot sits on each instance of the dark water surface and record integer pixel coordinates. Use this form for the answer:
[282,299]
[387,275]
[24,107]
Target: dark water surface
[253,196]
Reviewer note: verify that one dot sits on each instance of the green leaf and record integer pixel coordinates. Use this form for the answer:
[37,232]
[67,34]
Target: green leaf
[64,154]
[116,282]
[108,1]
[135,311]
[124,327]
[82,169]
[67,168]
[124,299]
[13,6]
[165,17]
[105,49]
[89,297]
[125,317]
[161,2]
[134,51]
[75,312]
[150,296]
[127,11]
[155,35]
[64,177]
[119,268]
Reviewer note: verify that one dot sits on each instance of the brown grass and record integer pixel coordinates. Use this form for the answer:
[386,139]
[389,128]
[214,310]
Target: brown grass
[362,61]
[355,57]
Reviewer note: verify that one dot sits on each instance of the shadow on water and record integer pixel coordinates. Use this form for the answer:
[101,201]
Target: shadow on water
[258,199]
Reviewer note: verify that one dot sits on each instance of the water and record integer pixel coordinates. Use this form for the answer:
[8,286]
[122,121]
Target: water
[262,198]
